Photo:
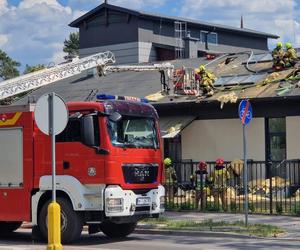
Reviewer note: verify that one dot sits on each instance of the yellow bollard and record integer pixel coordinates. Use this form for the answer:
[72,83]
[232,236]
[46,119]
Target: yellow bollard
[54,233]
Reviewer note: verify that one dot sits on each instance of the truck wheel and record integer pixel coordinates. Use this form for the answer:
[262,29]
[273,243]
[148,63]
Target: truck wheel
[71,222]
[114,230]
[8,227]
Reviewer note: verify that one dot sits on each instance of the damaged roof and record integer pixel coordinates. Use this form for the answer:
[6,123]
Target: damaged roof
[266,83]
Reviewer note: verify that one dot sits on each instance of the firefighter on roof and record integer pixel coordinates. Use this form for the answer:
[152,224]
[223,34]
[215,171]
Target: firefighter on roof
[290,56]
[219,178]
[206,80]
[278,55]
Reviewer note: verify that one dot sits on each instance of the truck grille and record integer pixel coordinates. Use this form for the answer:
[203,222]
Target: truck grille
[140,173]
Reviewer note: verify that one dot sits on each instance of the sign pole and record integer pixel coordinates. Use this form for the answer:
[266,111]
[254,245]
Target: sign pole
[54,228]
[52,134]
[245,114]
[51,117]
[245,174]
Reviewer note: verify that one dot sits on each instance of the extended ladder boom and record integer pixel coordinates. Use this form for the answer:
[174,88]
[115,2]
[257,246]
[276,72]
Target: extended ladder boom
[44,77]
[40,78]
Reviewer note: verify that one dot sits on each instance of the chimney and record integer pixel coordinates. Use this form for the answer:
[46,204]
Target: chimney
[242,22]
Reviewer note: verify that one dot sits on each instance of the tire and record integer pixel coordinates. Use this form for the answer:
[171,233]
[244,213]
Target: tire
[71,222]
[114,230]
[8,227]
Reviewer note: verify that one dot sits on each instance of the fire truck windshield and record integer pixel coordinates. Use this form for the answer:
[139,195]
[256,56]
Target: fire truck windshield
[133,132]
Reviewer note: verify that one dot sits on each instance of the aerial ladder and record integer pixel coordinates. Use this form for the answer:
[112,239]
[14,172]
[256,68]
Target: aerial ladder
[101,61]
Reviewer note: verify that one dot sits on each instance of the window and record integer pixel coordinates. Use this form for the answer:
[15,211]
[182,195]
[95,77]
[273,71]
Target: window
[275,146]
[276,139]
[134,132]
[71,133]
[212,37]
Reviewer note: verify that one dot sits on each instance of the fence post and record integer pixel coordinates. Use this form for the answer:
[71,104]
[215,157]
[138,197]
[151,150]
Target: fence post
[269,165]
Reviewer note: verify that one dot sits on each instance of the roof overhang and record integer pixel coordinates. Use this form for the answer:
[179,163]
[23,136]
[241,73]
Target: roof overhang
[171,126]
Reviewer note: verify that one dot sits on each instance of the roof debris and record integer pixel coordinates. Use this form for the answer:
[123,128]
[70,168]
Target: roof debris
[231,97]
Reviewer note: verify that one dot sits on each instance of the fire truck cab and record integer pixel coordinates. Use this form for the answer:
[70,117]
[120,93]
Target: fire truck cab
[108,165]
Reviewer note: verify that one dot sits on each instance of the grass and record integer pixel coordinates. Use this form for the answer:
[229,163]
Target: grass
[262,230]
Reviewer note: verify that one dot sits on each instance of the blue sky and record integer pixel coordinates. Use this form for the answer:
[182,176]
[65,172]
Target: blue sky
[33,31]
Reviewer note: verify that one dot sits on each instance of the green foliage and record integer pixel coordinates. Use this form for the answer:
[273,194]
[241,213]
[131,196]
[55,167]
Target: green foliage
[251,207]
[30,69]
[8,66]
[279,209]
[297,211]
[233,207]
[212,207]
[180,207]
[71,45]
[264,230]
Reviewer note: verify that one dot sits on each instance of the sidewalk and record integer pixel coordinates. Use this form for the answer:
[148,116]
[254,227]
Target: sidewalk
[290,224]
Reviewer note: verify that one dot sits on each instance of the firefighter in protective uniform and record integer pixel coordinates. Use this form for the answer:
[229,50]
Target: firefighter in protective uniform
[290,56]
[219,179]
[278,56]
[206,80]
[170,178]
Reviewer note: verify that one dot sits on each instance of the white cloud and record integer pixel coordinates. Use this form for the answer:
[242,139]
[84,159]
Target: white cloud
[3,40]
[35,30]
[131,4]
[3,6]
[271,16]
[137,4]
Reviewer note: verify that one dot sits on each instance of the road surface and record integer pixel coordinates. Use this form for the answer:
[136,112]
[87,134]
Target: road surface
[21,240]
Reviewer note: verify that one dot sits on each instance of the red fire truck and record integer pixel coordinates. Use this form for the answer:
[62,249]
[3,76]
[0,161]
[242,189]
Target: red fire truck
[109,168]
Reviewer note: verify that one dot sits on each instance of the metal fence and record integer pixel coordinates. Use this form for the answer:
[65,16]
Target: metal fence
[273,187]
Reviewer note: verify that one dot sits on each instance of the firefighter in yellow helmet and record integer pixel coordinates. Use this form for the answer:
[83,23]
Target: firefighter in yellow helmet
[170,178]
[290,56]
[206,80]
[220,178]
[278,56]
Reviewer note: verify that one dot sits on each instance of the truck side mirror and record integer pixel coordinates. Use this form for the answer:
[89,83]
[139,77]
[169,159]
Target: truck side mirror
[88,131]
[115,117]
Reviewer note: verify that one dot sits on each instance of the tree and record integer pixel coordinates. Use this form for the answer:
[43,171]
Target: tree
[71,45]
[30,69]
[8,66]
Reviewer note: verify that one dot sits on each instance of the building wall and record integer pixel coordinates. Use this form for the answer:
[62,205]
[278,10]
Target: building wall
[124,52]
[135,52]
[293,137]
[134,39]
[120,29]
[162,32]
[147,52]
[209,139]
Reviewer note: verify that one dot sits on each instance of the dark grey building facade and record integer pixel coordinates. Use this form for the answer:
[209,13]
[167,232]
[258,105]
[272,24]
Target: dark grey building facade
[136,36]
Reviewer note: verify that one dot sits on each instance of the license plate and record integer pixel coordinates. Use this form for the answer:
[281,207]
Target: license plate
[143,201]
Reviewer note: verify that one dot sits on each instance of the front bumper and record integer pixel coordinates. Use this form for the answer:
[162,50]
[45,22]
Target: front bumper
[119,202]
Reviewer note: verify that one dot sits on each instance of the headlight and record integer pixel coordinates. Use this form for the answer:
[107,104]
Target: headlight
[114,205]
[162,202]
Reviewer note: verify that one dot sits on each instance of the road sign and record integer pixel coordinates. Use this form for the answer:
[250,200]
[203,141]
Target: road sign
[245,111]
[43,110]
[51,117]
[245,114]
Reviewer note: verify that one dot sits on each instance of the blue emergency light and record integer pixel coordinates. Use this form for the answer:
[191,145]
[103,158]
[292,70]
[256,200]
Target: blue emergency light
[124,98]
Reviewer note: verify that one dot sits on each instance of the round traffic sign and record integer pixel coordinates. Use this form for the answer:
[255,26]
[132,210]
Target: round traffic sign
[42,114]
[245,111]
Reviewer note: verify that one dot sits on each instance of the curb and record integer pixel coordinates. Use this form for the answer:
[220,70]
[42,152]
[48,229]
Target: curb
[193,233]
[207,234]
